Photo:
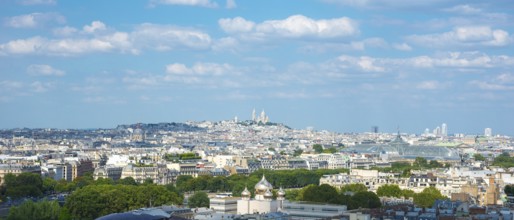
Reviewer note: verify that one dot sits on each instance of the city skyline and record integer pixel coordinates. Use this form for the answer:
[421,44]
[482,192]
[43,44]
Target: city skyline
[336,65]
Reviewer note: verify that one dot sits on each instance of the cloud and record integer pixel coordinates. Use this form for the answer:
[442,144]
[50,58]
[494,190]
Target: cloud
[364,63]
[431,85]
[40,87]
[166,37]
[98,38]
[64,31]
[44,70]
[94,27]
[295,26]
[37,2]
[34,20]
[402,47]
[231,4]
[213,69]
[463,9]
[385,4]
[466,36]
[201,3]
[502,82]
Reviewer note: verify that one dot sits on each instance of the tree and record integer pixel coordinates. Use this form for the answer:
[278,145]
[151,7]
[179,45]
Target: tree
[364,200]
[25,184]
[420,162]
[297,152]
[509,190]
[317,148]
[354,187]
[199,199]
[428,197]
[407,193]
[389,190]
[127,181]
[47,210]
[323,193]
[479,157]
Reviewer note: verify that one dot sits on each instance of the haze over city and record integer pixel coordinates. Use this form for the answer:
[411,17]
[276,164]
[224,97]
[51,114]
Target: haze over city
[337,65]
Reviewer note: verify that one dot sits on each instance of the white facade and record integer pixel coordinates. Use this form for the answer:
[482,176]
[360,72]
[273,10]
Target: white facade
[263,202]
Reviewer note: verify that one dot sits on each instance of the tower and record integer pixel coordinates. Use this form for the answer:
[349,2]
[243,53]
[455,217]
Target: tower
[444,130]
[281,196]
[253,115]
[488,132]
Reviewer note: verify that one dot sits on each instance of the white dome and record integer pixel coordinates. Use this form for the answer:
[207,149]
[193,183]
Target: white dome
[281,192]
[268,194]
[263,185]
[245,193]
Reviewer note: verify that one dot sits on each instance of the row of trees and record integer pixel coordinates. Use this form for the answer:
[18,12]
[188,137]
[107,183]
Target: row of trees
[353,196]
[404,168]
[426,198]
[23,185]
[94,201]
[504,160]
[357,195]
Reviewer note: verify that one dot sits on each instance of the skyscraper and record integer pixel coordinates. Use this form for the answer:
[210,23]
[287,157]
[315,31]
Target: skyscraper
[488,132]
[444,130]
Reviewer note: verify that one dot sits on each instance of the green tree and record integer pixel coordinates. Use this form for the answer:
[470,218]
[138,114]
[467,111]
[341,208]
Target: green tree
[25,184]
[428,197]
[323,193]
[509,190]
[354,187]
[407,193]
[297,152]
[127,181]
[364,200]
[49,185]
[389,190]
[420,162]
[479,157]
[198,199]
[44,210]
[183,183]
[317,148]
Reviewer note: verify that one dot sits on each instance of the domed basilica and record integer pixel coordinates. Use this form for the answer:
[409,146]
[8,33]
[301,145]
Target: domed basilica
[263,201]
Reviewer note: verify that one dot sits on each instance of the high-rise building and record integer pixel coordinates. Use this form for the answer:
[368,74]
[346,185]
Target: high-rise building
[444,130]
[374,129]
[437,131]
[488,132]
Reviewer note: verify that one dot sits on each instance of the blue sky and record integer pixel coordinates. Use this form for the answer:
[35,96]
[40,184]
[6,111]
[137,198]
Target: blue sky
[339,65]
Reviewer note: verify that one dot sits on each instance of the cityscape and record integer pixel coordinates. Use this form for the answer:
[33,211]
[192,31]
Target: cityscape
[250,110]
[190,157]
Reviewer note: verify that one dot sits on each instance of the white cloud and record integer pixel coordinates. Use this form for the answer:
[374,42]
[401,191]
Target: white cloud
[145,36]
[34,20]
[430,85]
[295,26]
[94,27]
[402,47]
[201,3]
[44,70]
[40,87]
[165,37]
[64,31]
[463,9]
[364,63]
[231,4]
[502,82]
[381,4]
[236,25]
[213,69]
[37,2]
[464,37]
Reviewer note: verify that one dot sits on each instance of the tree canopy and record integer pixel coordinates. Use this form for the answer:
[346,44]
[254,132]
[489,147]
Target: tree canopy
[199,199]
[427,197]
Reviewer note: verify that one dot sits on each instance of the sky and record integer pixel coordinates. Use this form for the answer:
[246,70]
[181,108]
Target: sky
[336,65]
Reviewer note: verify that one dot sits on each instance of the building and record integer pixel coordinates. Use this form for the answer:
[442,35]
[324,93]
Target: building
[224,203]
[111,172]
[17,169]
[263,201]
[488,132]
